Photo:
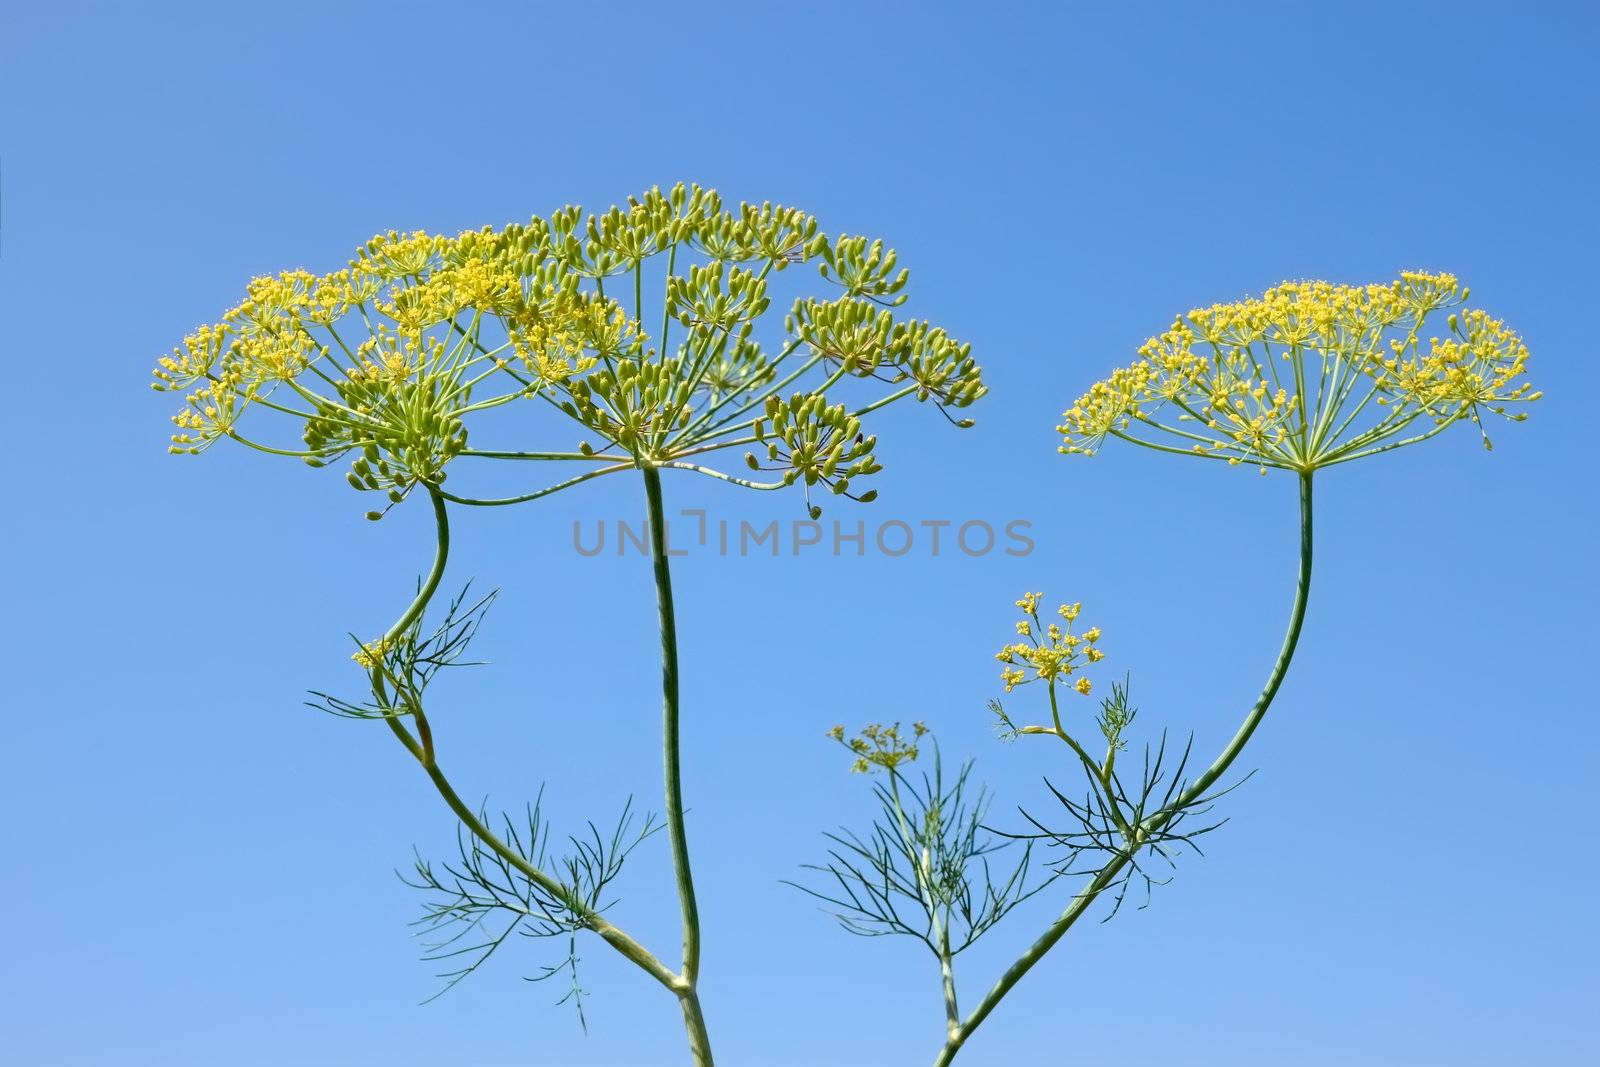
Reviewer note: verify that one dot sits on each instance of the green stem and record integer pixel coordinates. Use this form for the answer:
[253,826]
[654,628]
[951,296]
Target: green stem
[424,754]
[713,473]
[430,585]
[1108,874]
[592,457]
[638,303]
[694,1020]
[940,927]
[504,501]
[666,309]
[1099,777]
[694,1023]
[952,1012]
[1297,615]
[592,919]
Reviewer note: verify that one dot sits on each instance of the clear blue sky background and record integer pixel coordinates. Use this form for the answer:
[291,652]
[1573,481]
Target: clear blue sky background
[197,870]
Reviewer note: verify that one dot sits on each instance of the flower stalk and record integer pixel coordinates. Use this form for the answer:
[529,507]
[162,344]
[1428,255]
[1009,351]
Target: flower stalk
[389,364]
[672,759]
[422,749]
[1153,824]
[1308,375]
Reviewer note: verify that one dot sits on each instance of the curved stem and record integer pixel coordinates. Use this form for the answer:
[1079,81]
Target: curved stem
[1108,874]
[424,754]
[501,502]
[1297,615]
[592,919]
[430,585]
[593,457]
[694,1020]
[714,473]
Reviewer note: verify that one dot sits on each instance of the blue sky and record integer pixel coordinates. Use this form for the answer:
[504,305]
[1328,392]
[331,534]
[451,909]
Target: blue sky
[198,870]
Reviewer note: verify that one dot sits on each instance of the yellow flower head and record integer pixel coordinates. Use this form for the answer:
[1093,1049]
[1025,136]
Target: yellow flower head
[880,745]
[371,654]
[386,360]
[1050,651]
[1309,374]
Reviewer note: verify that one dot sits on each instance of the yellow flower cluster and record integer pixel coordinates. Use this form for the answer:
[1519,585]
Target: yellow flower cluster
[485,287]
[880,745]
[1307,375]
[190,361]
[209,412]
[390,358]
[1479,366]
[393,352]
[371,654]
[394,256]
[1053,652]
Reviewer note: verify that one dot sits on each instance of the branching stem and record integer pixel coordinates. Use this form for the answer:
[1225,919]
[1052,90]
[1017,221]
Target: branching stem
[1153,823]
[592,919]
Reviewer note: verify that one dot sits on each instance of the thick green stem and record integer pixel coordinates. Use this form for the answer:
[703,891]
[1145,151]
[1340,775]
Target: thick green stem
[699,1043]
[1108,874]
[694,1023]
[952,1013]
